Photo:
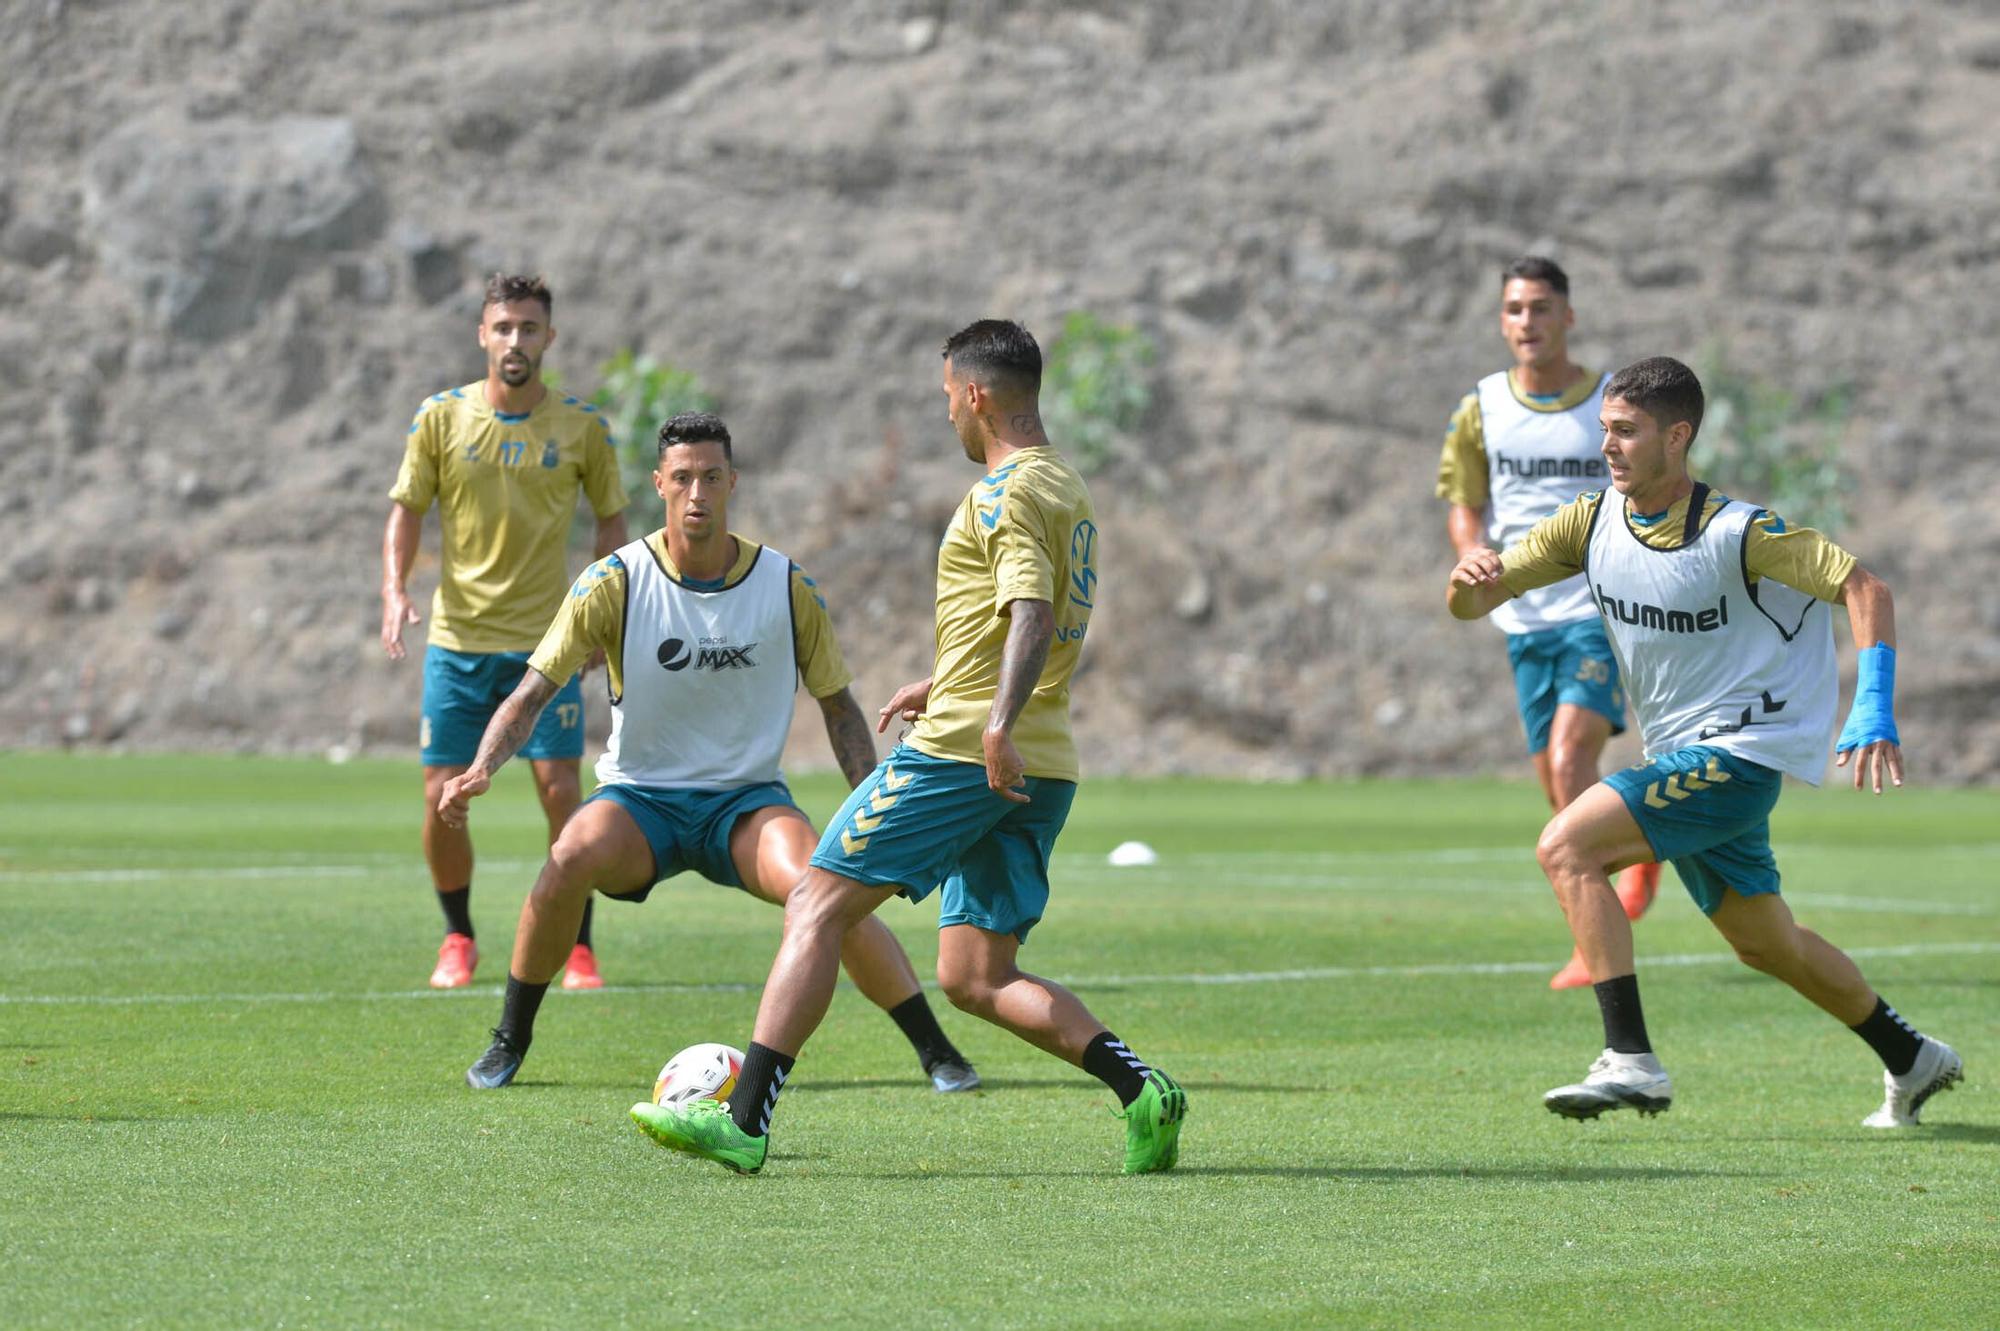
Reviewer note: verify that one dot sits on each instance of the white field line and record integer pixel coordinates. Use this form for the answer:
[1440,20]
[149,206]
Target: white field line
[1470,968]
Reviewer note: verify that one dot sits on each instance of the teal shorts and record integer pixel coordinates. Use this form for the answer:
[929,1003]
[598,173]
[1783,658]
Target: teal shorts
[920,823]
[1709,814]
[1570,663]
[462,690]
[689,829]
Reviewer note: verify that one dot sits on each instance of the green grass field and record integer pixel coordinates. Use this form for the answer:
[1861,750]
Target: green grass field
[227,1099]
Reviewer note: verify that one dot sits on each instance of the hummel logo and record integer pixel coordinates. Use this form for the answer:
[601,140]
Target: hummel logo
[1683,784]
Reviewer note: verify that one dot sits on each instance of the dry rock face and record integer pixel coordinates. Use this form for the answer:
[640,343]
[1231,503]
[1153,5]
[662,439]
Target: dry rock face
[242,239]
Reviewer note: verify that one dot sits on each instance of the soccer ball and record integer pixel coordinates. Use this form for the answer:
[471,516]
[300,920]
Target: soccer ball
[698,1072]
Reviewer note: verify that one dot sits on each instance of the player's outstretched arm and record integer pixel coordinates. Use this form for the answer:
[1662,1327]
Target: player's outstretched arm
[399,551]
[1031,628]
[509,729]
[847,732]
[1475,590]
[1869,737]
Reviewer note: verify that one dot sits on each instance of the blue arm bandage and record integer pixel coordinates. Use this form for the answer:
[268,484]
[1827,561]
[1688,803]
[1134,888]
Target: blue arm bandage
[1873,716]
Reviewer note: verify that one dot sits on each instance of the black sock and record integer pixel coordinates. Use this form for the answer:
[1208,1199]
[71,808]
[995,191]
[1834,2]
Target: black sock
[1107,1059]
[1894,1040]
[457,910]
[517,1011]
[1624,1019]
[919,1024]
[757,1087]
[583,930]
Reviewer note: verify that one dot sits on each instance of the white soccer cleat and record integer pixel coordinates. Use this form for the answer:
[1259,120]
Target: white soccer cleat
[1615,1081]
[1938,1068]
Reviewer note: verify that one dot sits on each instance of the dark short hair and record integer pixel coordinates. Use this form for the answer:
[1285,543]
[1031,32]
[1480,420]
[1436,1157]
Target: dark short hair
[696,427]
[998,353]
[503,288]
[1663,388]
[1535,268]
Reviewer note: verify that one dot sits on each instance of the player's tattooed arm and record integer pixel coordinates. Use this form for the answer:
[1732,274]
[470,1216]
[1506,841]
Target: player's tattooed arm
[509,729]
[847,731]
[1031,628]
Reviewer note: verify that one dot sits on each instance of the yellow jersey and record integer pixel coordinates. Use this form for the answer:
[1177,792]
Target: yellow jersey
[592,618]
[1554,548]
[1026,532]
[505,486]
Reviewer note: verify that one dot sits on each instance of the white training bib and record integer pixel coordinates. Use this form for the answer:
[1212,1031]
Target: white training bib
[708,678]
[1537,461]
[1707,657]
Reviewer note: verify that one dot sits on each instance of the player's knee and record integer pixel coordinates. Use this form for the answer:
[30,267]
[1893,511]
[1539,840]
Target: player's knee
[434,781]
[1771,956]
[573,869]
[815,905]
[1572,769]
[1556,850]
[558,789]
[967,989]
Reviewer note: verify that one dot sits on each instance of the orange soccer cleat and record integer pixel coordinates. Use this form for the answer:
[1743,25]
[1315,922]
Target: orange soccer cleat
[1637,887]
[457,958]
[581,971]
[1573,975]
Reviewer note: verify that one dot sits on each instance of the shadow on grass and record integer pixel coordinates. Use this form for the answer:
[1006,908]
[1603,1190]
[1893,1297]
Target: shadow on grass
[1042,1084]
[1982,1134]
[1583,1174]
[1479,1173]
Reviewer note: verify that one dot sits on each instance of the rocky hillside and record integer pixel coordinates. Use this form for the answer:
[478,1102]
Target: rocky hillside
[241,239]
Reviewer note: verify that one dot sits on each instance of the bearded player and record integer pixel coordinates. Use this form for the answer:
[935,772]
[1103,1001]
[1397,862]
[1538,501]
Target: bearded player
[503,459]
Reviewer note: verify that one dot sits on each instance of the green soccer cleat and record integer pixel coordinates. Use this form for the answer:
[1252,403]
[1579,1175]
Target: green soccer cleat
[703,1128]
[1153,1125]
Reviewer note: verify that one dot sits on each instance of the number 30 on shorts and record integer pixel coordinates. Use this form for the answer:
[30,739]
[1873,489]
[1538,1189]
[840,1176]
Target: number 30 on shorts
[1592,671]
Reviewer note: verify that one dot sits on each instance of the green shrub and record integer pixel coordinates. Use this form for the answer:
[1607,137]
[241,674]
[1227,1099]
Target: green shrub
[637,395]
[1096,386]
[1759,443]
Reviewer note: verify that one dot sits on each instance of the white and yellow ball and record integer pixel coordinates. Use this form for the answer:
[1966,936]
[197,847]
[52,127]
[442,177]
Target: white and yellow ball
[698,1072]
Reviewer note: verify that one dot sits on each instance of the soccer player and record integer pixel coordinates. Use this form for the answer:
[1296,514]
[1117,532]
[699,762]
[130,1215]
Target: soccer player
[503,459]
[706,636]
[1522,443]
[973,801]
[1716,609]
